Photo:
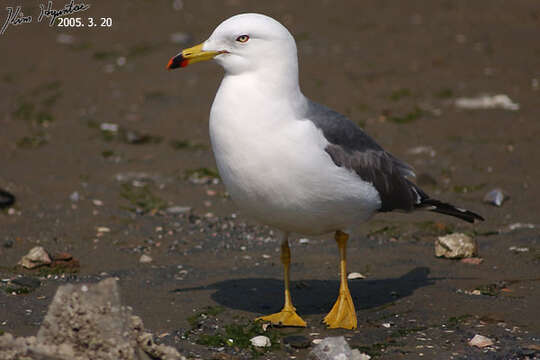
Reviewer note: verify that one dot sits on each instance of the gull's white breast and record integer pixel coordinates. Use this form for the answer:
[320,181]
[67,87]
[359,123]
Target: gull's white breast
[275,168]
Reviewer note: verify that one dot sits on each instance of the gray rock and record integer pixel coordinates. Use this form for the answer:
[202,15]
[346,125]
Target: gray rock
[334,348]
[480,341]
[261,341]
[455,246]
[495,197]
[87,322]
[357,355]
[145,259]
[91,319]
[74,196]
[37,256]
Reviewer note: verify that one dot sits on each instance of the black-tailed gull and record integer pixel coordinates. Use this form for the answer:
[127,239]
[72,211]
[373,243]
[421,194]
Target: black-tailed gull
[292,163]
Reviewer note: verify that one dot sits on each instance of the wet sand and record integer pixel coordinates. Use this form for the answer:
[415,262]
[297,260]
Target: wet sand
[394,69]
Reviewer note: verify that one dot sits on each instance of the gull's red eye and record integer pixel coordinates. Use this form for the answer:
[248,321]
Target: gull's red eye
[242,38]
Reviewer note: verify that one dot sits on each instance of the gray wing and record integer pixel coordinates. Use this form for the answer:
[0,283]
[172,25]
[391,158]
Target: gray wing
[353,149]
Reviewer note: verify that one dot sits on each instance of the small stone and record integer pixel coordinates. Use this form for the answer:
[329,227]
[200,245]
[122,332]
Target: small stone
[145,259]
[386,325]
[297,341]
[37,256]
[74,196]
[178,5]
[517,226]
[134,137]
[111,127]
[331,348]
[62,256]
[495,197]
[455,246]
[121,61]
[303,241]
[176,210]
[472,261]
[518,249]
[420,150]
[480,341]
[103,229]
[97,202]
[260,341]
[357,355]
[355,275]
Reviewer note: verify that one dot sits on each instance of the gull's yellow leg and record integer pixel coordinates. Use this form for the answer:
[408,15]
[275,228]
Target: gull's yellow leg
[342,314]
[287,316]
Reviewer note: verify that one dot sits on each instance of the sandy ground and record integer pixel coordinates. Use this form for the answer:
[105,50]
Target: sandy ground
[396,68]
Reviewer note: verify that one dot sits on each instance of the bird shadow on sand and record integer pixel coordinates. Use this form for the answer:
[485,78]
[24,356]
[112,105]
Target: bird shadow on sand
[263,295]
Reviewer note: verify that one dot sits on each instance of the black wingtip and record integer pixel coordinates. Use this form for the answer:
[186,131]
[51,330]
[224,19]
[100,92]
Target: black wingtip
[6,199]
[448,209]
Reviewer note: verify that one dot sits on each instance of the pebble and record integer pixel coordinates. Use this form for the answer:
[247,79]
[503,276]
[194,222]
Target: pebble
[355,275]
[357,355]
[472,261]
[260,341]
[37,256]
[518,249]
[480,341]
[297,341]
[517,226]
[134,137]
[334,348]
[145,259]
[178,5]
[303,241]
[176,210]
[455,246]
[500,101]
[74,196]
[62,256]
[103,229]
[97,202]
[109,127]
[419,150]
[495,197]
[121,61]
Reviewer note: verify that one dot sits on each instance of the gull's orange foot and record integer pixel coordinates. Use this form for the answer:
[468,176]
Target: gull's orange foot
[342,314]
[286,317]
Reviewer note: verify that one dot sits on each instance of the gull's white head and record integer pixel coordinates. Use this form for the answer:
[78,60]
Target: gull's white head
[245,43]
